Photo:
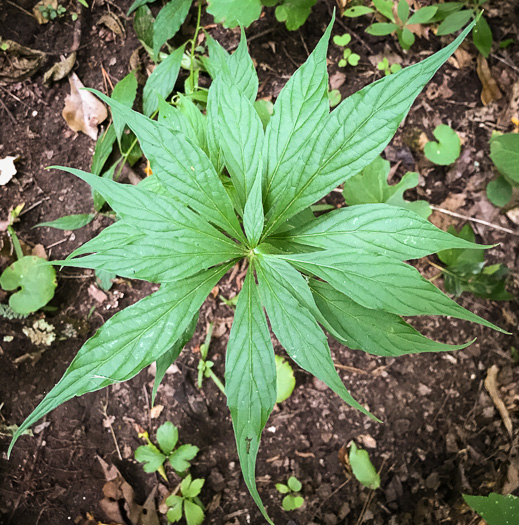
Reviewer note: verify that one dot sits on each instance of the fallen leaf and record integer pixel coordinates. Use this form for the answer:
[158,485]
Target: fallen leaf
[18,62]
[113,23]
[7,169]
[39,251]
[156,411]
[490,91]
[97,294]
[463,58]
[491,386]
[42,5]
[337,80]
[60,69]
[83,111]
[513,215]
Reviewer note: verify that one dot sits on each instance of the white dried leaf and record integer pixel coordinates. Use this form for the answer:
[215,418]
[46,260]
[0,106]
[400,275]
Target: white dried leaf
[7,169]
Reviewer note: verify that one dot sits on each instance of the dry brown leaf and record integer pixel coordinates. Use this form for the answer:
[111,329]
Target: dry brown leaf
[7,169]
[462,58]
[83,111]
[156,411]
[513,215]
[113,23]
[490,91]
[39,251]
[337,80]
[43,4]
[18,62]
[97,294]
[59,70]
[491,386]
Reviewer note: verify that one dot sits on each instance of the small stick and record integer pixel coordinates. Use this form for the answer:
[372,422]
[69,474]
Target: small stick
[9,114]
[350,368]
[21,9]
[472,219]
[32,206]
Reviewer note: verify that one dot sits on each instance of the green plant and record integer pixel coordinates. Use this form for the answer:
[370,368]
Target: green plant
[293,500]
[466,271]
[187,503]
[285,379]
[50,13]
[384,66]
[348,56]
[447,150]
[495,509]
[153,457]
[401,25]
[249,199]
[33,277]
[454,15]
[362,468]
[205,366]
[504,152]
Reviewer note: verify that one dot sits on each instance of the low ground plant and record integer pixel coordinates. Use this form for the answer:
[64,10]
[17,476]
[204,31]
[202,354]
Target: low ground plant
[229,191]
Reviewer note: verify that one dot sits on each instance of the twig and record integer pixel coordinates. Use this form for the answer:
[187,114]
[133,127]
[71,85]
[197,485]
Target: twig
[21,9]
[9,114]
[501,59]
[472,219]
[304,43]
[342,485]
[105,413]
[350,368]
[32,206]
[56,243]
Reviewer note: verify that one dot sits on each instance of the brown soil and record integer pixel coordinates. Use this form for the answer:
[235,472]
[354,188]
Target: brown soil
[441,436]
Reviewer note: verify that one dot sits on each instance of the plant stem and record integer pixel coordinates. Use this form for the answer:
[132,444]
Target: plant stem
[193,41]
[216,380]
[16,243]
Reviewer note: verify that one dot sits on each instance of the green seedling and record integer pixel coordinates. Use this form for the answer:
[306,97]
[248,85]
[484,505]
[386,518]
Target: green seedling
[232,302]
[403,25]
[285,379]
[293,499]
[454,15]
[370,186]
[153,457]
[186,503]
[384,66]
[50,13]
[495,509]
[466,271]
[32,276]
[504,152]
[334,96]
[349,57]
[362,468]
[205,366]
[447,150]
[231,193]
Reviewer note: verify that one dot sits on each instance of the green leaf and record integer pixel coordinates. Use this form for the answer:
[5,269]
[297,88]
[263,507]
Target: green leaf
[373,331]
[423,15]
[182,167]
[37,280]
[499,191]
[299,110]
[103,150]
[297,502]
[192,489]
[403,11]
[446,9]
[68,222]
[288,503]
[129,341]
[280,487]
[447,150]
[380,283]
[143,26]
[195,118]
[381,29]
[298,332]
[354,134]
[253,217]
[334,97]
[161,81]
[137,4]
[294,484]
[362,468]
[233,13]
[385,7]
[105,279]
[124,92]
[181,457]
[264,108]
[174,513]
[405,37]
[168,22]
[250,380]
[151,456]
[504,152]
[358,10]
[294,12]
[169,357]
[194,514]
[495,509]
[371,186]
[377,229]
[167,437]
[342,40]
[454,22]
[286,381]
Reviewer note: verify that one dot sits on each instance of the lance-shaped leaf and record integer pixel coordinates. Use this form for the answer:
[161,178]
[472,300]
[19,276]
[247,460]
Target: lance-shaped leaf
[182,167]
[355,133]
[250,380]
[299,334]
[299,110]
[376,228]
[381,283]
[240,135]
[129,341]
[374,331]
[124,92]
[253,216]
[168,22]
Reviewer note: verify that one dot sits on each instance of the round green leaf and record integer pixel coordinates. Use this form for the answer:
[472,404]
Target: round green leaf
[504,152]
[342,40]
[285,381]
[288,502]
[499,192]
[335,97]
[298,502]
[447,150]
[281,487]
[37,280]
[294,484]
[353,59]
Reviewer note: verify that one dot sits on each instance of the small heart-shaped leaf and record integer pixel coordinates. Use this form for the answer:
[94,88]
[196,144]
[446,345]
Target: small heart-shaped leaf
[343,40]
[447,150]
